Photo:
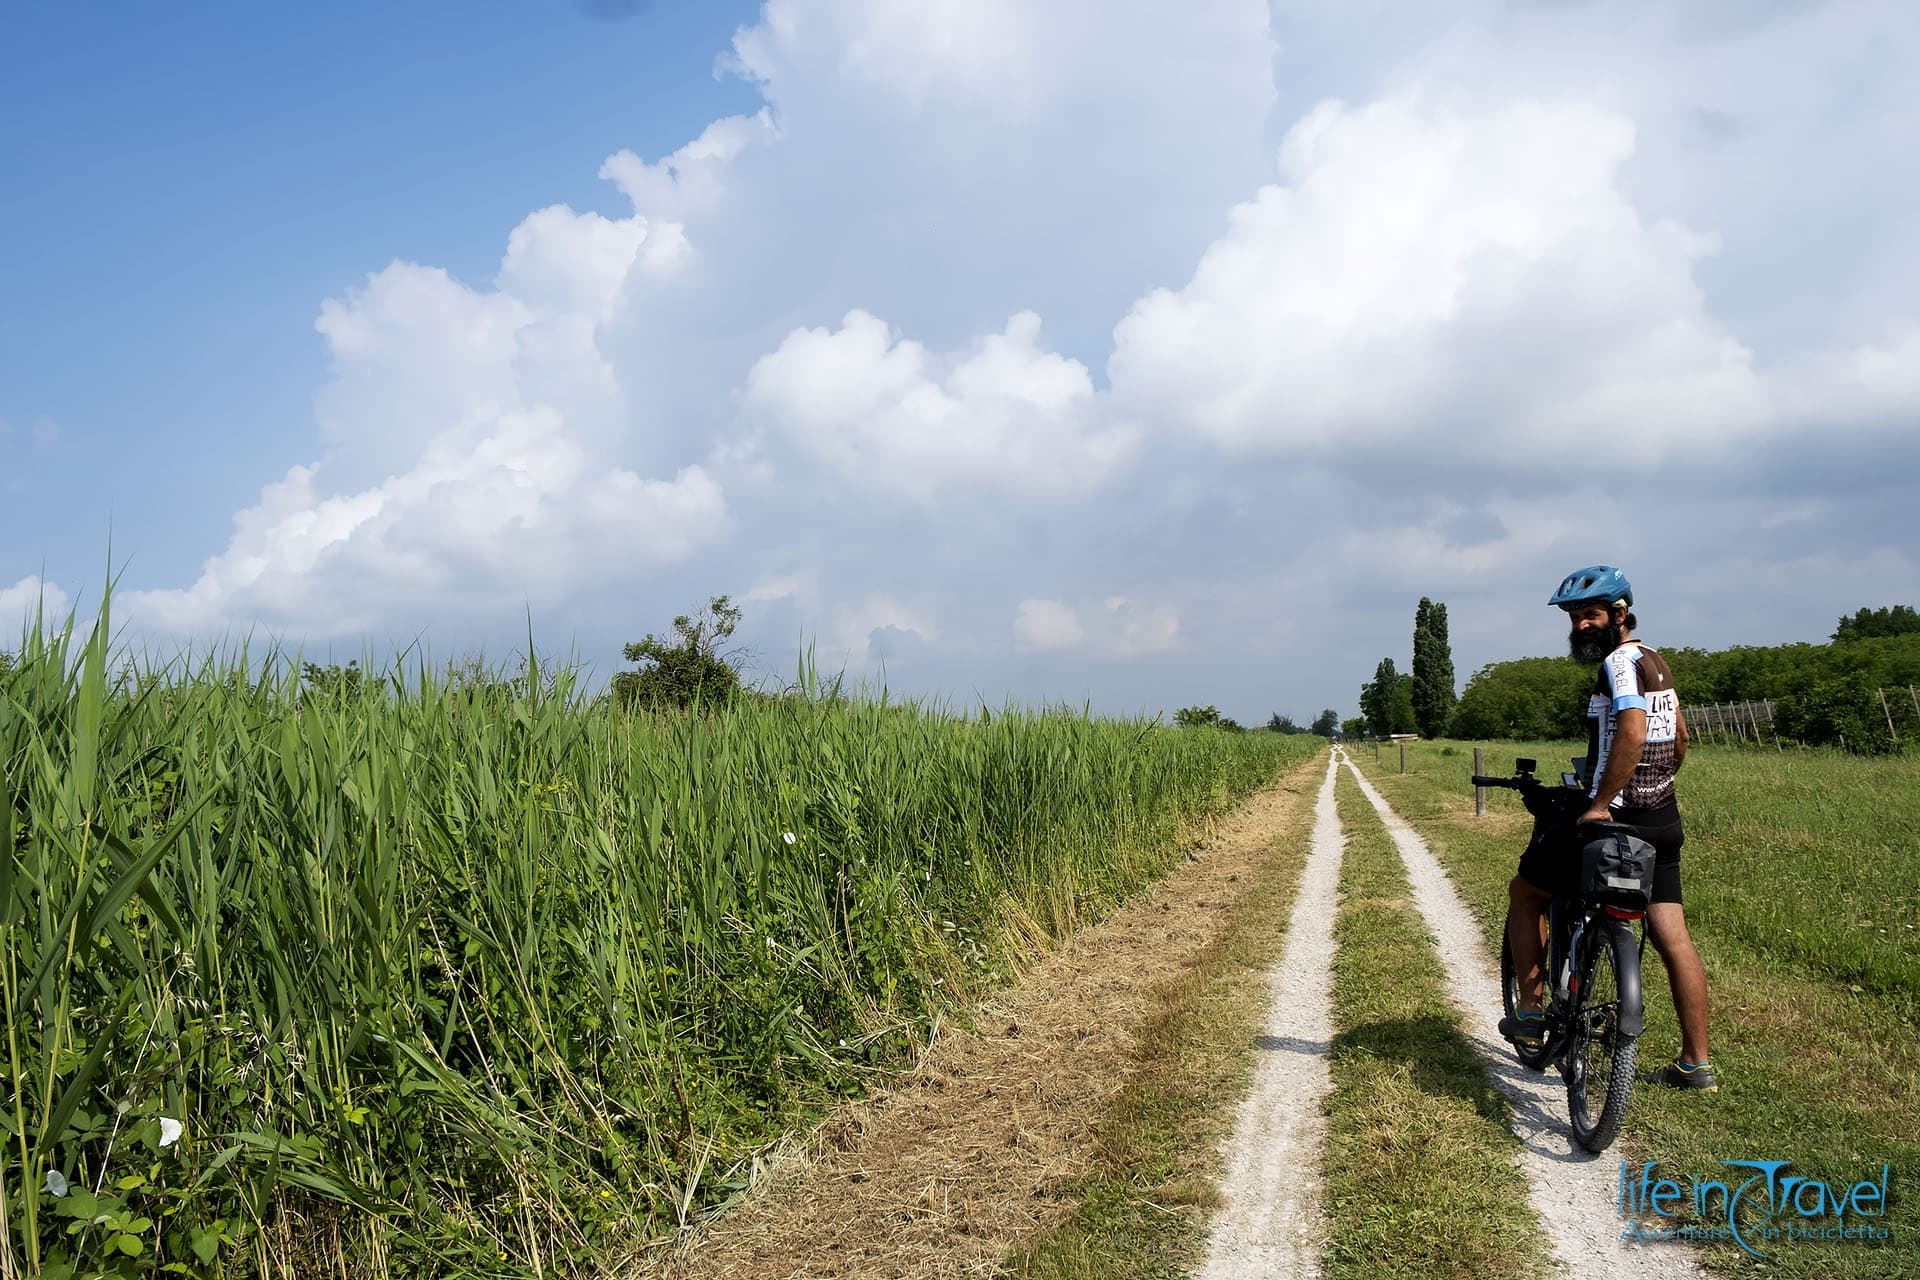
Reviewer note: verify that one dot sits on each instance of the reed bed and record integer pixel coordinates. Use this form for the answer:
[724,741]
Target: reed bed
[430,978]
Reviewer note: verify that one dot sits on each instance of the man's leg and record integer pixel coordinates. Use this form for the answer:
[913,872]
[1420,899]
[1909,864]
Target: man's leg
[1527,937]
[1667,926]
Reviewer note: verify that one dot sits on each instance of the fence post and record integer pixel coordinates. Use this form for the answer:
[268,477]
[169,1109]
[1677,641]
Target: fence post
[1768,704]
[1403,757]
[1888,714]
[1479,793]
[1916,701]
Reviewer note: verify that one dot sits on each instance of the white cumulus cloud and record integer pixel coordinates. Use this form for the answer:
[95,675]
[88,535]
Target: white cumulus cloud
[897,418]
[474,450]
[1047,624]
[1444,277]
[25,599]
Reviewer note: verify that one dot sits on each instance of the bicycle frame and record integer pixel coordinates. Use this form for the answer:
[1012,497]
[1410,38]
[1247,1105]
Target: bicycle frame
[1585,937]
[1569,921]
[1569,918]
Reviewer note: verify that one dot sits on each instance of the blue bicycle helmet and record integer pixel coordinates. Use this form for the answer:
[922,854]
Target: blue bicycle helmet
[1595,584]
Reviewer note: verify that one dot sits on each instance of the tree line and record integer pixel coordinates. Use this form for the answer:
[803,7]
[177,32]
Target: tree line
[1325,724]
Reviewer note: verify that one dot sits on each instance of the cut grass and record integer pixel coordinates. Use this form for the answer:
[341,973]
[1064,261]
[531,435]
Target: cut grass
[1142,1210]
[1794,863]
[1420,1179]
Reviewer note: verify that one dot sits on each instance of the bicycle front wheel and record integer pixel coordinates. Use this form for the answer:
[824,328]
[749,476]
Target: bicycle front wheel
[1600,1056]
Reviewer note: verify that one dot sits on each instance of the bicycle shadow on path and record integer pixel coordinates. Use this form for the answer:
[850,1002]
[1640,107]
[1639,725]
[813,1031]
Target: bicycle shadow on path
[1539,1104]
[1437,1058]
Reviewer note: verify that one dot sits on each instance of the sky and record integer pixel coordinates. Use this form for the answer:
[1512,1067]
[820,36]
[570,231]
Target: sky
[1135,354]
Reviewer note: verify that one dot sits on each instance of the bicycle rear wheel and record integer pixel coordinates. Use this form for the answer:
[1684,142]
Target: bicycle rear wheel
[1600,1056]
[1536,1059]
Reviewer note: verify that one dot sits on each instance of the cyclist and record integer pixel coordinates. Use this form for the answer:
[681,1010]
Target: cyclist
[1637,739]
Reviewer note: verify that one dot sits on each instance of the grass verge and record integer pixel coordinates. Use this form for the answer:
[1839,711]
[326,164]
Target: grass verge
[1142,1210]
[1802,879]
[1420,1180]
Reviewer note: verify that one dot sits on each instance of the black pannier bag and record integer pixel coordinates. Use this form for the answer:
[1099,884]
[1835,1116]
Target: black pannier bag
[1617,869]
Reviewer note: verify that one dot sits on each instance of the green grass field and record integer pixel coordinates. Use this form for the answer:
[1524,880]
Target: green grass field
[1802,880]
[418,982]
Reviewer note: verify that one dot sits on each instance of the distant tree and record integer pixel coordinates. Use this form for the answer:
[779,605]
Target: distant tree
[6,662]
[470,682]
[1283,724]
[1326,723]
[1376,698]
[1196,717]
[1433,693]
[1529,699]
[333,681]
[1403,718]
[686,667]
[1354,728]
[1869,624]
[1231,725]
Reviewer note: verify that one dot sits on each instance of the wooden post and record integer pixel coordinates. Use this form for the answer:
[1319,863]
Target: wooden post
[1479,793]
[1403,757]
[1768,703]
[1888,714]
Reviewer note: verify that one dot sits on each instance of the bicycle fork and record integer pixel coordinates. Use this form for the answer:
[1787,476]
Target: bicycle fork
[1569,955]
[1632,1014]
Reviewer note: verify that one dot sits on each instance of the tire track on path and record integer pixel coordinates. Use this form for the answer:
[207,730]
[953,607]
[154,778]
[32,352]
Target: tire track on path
[1272,1221]
[1572,1190]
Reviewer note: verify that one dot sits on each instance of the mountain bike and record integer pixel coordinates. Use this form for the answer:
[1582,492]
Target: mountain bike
[1594,1013]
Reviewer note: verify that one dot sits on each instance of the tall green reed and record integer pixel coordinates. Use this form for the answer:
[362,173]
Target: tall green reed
[498,980]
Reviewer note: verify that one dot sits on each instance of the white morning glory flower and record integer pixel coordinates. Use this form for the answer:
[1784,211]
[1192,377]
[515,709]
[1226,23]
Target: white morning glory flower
[56,1182]
[170,1131]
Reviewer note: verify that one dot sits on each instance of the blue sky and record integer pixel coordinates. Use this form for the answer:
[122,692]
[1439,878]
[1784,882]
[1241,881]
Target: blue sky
[1127,351]
[186,183]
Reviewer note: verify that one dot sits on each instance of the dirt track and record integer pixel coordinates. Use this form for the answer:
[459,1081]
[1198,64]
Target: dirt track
[967,1158]
[1571,1190]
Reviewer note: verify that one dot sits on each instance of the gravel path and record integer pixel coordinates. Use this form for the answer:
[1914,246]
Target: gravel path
[1271,1224]
[1572,1190]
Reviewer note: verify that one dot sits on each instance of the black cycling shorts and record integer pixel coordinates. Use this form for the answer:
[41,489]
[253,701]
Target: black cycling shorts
[1552,864]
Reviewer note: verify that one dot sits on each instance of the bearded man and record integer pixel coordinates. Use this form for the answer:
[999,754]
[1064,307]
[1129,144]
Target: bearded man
[1636,743]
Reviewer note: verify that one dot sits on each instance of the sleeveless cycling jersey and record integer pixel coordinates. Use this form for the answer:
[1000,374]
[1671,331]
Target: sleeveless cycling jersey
[1635,676]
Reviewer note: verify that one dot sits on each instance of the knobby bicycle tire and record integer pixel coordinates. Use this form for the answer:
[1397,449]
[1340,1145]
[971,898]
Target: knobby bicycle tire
[1535,1059]
[1600,1057]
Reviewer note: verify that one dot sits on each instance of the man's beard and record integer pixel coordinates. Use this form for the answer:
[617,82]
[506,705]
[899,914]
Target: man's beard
[1593,646]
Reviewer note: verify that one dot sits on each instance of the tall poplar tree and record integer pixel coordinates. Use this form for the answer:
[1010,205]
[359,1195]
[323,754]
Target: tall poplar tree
[1433,694]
